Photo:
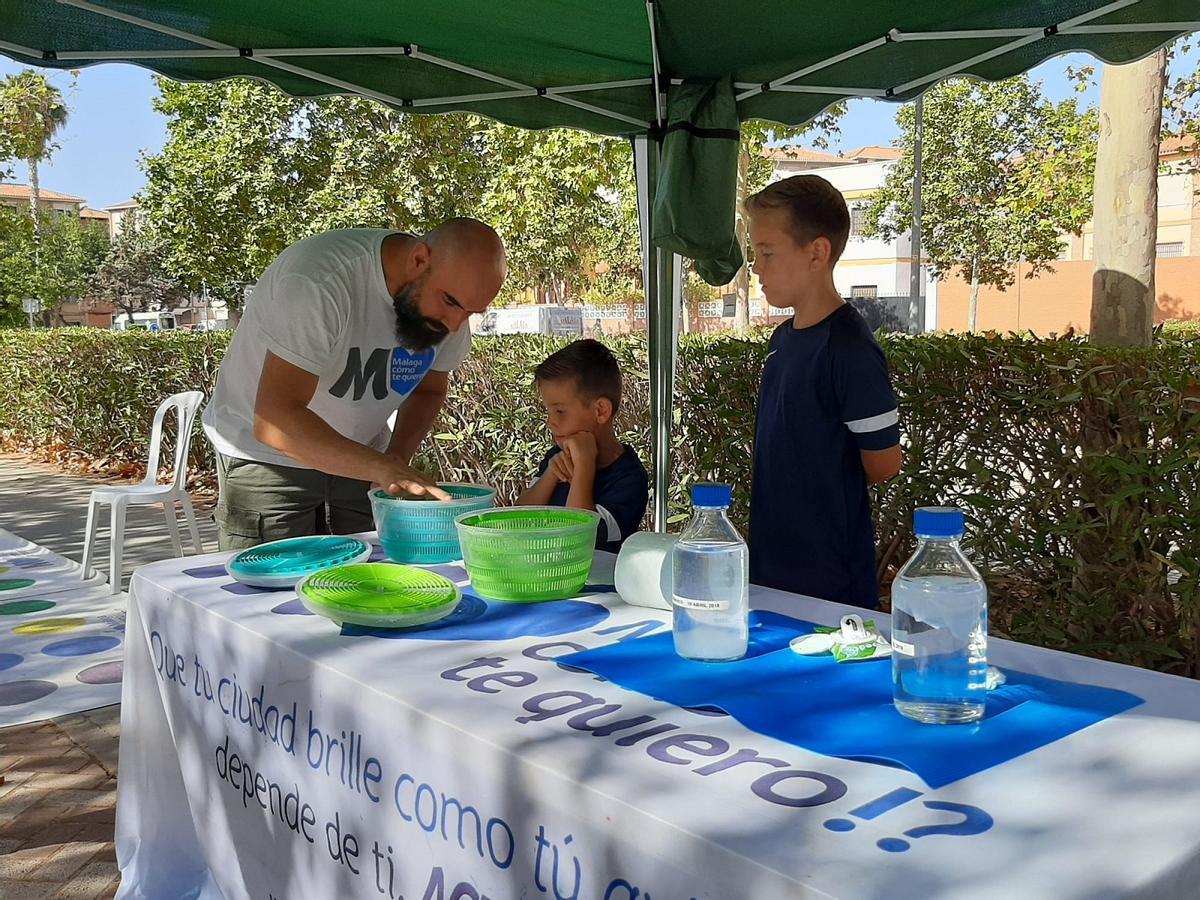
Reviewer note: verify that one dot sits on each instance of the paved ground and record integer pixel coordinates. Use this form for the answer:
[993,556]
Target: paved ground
[58,799]
[48,507]
[57,806]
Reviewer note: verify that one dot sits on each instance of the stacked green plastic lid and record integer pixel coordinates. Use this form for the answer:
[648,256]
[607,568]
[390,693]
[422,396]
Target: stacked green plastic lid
[280,564]
[380,595]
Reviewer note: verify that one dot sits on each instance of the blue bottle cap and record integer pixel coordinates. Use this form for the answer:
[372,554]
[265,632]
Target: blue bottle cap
[712,495]
[938,522]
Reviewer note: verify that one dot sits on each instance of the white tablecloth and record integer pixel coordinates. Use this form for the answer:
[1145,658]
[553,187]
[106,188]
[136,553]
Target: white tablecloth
[377,767]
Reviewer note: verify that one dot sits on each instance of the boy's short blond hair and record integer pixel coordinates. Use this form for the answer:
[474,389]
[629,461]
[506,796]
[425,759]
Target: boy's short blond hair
[815,209]
[590,365]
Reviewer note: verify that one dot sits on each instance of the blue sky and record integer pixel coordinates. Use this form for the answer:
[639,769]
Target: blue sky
[111,123]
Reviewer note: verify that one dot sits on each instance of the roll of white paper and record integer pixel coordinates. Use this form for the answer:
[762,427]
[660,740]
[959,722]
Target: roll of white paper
[643,571]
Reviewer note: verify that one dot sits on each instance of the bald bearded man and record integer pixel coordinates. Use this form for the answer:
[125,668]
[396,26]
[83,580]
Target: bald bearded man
[342,330]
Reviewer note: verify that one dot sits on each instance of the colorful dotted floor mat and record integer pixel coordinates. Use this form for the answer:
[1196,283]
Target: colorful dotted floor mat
[61,638]
[29,570]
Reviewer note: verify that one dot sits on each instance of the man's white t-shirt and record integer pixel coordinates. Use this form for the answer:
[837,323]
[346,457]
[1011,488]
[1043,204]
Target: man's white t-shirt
[323,305]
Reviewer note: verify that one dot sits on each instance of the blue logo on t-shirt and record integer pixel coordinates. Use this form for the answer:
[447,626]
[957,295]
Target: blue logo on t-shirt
[408,369]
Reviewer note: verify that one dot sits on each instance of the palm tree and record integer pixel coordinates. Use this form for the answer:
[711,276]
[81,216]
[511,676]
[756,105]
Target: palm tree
[32,112]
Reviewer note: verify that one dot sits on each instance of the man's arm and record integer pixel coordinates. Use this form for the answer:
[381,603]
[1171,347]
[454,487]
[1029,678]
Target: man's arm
[283,421]
[417,415]
[881,465]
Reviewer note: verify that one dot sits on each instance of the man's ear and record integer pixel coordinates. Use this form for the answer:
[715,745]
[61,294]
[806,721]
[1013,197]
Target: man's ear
[421,256]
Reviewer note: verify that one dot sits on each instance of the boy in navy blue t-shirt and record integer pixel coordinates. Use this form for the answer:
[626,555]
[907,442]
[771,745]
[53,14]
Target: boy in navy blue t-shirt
[827,420]
[588,468]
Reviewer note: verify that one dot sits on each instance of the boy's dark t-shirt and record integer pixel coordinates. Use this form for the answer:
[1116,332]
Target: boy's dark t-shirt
[622,491]
[826,396]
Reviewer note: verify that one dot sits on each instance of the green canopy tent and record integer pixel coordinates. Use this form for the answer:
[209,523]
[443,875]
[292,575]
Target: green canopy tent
[613,67]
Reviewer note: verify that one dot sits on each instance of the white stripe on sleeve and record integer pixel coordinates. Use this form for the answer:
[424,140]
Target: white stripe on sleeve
[874,423]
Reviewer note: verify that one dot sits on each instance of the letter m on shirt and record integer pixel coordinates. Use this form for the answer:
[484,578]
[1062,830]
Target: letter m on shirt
[375,373]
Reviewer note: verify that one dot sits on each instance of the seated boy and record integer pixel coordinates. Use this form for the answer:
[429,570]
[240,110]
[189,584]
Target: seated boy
[827,419]
[589,468]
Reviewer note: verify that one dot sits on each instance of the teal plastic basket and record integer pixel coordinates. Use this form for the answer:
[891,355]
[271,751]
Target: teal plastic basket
[422,531]
[528,554]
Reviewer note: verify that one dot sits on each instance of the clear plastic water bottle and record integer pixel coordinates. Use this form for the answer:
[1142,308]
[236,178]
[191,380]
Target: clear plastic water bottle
[939,626]
[711,587]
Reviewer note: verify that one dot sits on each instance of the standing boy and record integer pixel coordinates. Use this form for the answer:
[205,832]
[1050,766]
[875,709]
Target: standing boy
[588,468]
[827,422]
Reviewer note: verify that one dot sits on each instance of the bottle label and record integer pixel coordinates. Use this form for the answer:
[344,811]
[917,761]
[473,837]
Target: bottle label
[704,605]
[899,646]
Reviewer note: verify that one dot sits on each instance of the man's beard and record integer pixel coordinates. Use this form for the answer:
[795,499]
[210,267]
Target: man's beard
[413,330]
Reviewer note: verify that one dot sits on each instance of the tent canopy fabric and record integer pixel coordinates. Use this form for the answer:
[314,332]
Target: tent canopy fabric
[583,63]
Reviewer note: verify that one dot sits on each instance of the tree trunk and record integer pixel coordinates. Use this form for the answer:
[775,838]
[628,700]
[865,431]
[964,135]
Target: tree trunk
[35,198]
[973,310]
[741,314]
[1126,202]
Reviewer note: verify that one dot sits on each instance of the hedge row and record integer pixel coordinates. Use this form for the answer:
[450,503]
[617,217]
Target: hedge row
[1078,467]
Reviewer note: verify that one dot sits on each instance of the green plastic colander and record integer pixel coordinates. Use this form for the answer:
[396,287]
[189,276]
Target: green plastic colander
[528,554]
[380,595]
[422,531]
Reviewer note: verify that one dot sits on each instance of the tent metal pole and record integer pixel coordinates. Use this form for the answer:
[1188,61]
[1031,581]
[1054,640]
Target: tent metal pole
[659,326]
[130,55]
[1010,46]
[604,85]
[472,98]
[508,82]
[660,113]
[815,67]
[20,50]
[985,33]
[825,89]
[349,86]
[1076,25]
[1139,27]
[916,304]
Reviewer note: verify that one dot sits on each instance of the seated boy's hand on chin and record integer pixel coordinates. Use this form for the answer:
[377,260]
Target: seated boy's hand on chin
[581,447]
[560,467]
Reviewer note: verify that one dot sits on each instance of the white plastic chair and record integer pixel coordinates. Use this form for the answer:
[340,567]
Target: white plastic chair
[186,405]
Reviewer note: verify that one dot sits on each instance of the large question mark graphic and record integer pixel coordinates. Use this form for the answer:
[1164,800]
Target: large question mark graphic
[974,821]
[874,809]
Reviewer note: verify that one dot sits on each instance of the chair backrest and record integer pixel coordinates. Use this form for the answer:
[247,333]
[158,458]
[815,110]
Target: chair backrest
[186,405]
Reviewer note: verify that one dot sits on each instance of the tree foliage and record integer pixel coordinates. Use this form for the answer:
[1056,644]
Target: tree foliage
[133,276]
[247,170]
[32,112]
[54,269]
[1005,173]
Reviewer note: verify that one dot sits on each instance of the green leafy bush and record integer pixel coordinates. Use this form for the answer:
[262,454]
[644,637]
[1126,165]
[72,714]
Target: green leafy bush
[1078,466]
